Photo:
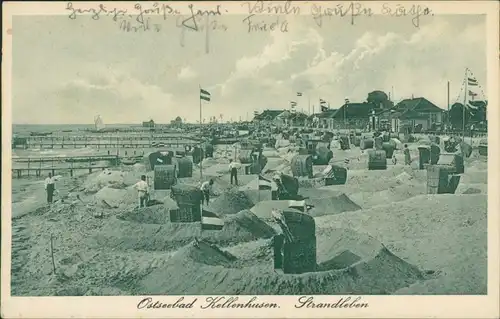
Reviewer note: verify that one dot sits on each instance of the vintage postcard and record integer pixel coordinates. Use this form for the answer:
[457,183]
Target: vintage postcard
[253,159]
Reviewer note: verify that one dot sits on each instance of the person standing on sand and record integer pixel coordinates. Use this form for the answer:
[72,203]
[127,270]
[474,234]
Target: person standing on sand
[142,188]
[406,152]
[50,187]
[233,168]
[206,187]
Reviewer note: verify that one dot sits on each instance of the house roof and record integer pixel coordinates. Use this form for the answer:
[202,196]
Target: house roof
[353,110]
[268,115]
[326,114]
[298,116]
[284,115]
[416,108]
[418,104]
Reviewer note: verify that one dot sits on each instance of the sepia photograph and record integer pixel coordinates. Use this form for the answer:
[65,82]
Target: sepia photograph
[248,150]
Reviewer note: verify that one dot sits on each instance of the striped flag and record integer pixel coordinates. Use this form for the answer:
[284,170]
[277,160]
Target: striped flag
[255,113]
[265,184]
[472,93]
[472,81]
[205,95]
[210,221]
[471,106]
[293,103]
[298,205]
[299,94]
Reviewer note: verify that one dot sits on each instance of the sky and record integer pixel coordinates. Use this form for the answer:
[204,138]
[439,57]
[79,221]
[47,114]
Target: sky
[68,71]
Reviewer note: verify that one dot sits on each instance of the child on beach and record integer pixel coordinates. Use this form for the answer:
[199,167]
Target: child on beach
[406,152]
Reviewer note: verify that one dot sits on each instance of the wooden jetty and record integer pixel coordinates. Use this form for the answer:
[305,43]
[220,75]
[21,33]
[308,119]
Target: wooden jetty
[108,141]
[59,164]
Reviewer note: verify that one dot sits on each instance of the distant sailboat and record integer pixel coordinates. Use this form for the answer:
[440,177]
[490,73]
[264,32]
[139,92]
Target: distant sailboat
[98,123]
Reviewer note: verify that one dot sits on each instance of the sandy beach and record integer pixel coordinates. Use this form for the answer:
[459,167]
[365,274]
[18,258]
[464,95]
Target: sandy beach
[382,219]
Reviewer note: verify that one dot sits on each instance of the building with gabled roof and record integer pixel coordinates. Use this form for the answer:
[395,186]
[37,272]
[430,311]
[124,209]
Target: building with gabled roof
[273,117]
[412,114]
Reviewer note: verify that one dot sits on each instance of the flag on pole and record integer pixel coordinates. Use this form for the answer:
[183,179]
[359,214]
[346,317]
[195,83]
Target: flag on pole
[472,93]
[293,104]
[210,221]
[324,108]
[255,113]
[472,81]
[205,95]
[300,205]
[299,94]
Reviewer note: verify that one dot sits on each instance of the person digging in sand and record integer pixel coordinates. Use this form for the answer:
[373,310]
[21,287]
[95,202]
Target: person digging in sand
[206,187]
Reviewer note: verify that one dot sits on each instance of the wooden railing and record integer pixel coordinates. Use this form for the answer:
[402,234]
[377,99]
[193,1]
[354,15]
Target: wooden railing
[109,141]
[60,164]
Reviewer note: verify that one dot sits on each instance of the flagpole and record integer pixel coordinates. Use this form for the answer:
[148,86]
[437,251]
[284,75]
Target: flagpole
[465,104]
[207,46]
[309,104]
[448,99]
[258,186]
[201,163]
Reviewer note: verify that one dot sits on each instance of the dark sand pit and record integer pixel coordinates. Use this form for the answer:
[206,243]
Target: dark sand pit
[117,234]
[352,263]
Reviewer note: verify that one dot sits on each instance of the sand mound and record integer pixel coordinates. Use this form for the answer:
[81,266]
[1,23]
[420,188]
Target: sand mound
[219,186]
[376,181]
[443,233]
[98,180]
[116,197]
[263,209]
[395,193]
[476,165]
[238,228]
[472,176]
[157,214]
[334,204]
[257,196]
[353,263]
[230,202]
